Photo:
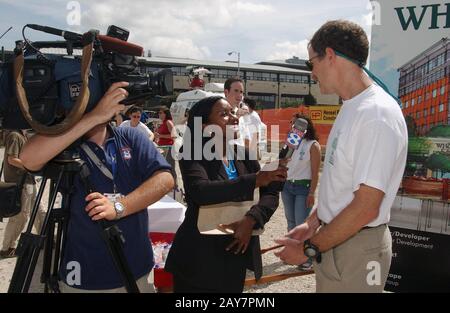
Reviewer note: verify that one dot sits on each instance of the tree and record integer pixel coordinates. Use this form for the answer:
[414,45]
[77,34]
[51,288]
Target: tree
[411,125]
[419,146]
[291,103]
[310,99]
[438,161]
[442,131]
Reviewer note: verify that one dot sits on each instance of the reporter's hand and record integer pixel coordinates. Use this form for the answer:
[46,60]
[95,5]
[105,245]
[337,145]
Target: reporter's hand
[100,207]
[242,233]
[265,177]
[109,105]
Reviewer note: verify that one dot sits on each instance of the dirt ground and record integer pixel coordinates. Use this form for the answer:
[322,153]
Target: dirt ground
[275,228]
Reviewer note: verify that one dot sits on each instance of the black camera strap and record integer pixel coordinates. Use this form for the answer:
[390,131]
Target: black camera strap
[102,167]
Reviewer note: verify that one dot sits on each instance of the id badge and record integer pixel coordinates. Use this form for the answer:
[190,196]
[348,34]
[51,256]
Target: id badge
[113,197]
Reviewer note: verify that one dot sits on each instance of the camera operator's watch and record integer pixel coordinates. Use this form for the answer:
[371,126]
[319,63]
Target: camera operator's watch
[120,209]
[311,251]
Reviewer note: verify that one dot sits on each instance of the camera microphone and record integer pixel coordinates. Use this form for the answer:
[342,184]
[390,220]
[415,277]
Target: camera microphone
[55,31]
[111,44]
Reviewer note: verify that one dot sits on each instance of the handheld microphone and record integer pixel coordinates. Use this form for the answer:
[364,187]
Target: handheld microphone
[293,140]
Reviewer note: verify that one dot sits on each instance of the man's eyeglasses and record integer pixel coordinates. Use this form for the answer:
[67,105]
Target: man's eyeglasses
[309,64]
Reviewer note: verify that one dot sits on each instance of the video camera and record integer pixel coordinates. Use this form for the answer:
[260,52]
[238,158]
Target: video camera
[50,92]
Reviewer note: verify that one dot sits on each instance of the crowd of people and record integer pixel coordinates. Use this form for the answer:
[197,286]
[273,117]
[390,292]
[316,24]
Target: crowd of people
[337,234]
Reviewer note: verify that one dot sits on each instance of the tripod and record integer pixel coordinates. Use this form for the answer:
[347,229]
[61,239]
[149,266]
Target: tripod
[61,172]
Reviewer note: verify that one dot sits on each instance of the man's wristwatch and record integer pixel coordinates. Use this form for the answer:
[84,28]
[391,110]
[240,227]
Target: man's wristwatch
[311,251]
[120,209]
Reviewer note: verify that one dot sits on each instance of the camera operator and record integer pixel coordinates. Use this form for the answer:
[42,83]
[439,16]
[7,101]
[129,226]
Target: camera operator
[141,177]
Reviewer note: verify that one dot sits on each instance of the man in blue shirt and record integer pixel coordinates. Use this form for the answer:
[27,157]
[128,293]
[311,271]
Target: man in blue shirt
[140,176]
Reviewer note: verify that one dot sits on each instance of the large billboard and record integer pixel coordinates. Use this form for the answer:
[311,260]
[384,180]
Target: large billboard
[410,52]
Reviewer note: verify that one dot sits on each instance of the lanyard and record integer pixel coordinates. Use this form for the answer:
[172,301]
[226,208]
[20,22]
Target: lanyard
[111,150]
[100,165]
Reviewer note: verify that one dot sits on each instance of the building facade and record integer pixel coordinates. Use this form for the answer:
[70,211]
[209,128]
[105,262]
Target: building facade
[424,87]
[271,86]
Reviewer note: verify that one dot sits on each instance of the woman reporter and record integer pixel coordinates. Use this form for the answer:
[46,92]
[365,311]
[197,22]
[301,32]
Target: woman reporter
[218,263]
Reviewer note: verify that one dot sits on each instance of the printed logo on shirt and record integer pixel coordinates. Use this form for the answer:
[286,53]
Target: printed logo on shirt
[302,153]
[126,153]
[334,144]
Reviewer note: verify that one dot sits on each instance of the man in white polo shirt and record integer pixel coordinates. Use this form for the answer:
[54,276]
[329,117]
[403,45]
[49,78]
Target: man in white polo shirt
[135,114]
[347,236]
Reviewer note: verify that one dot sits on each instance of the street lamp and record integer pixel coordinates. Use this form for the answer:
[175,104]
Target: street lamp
[239,61]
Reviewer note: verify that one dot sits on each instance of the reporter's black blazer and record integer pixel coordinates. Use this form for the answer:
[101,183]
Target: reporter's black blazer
[202,260]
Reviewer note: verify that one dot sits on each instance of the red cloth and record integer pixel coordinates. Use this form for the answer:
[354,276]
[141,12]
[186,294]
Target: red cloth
[164,130]
[162,278]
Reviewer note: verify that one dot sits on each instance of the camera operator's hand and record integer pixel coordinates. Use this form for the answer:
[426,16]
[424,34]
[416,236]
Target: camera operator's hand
[100,207]
[109,105]
[265,177]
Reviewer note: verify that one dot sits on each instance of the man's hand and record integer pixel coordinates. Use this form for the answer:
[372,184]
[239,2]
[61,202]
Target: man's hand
[301,232]
[109,105]
[242,233]
[292,252]
[100,207]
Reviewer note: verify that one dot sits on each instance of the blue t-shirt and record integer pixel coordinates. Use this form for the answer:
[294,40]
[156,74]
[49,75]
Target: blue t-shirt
[136,161]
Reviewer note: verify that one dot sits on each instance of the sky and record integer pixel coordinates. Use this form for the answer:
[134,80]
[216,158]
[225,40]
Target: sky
[197,29]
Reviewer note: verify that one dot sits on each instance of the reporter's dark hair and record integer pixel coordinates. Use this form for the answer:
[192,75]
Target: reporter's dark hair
[311,133]
[343,36]
[202,109]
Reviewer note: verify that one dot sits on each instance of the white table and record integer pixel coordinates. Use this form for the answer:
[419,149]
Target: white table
[165,216]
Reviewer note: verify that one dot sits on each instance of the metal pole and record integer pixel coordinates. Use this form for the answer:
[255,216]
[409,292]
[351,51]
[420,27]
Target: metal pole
[239,64]
[3,49]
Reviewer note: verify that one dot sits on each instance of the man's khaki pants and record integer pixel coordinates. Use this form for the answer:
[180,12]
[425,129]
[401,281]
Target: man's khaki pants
[17,222]
[360,264]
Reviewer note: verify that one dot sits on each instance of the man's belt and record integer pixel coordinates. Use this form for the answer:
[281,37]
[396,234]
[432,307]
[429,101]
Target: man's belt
[364,228]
